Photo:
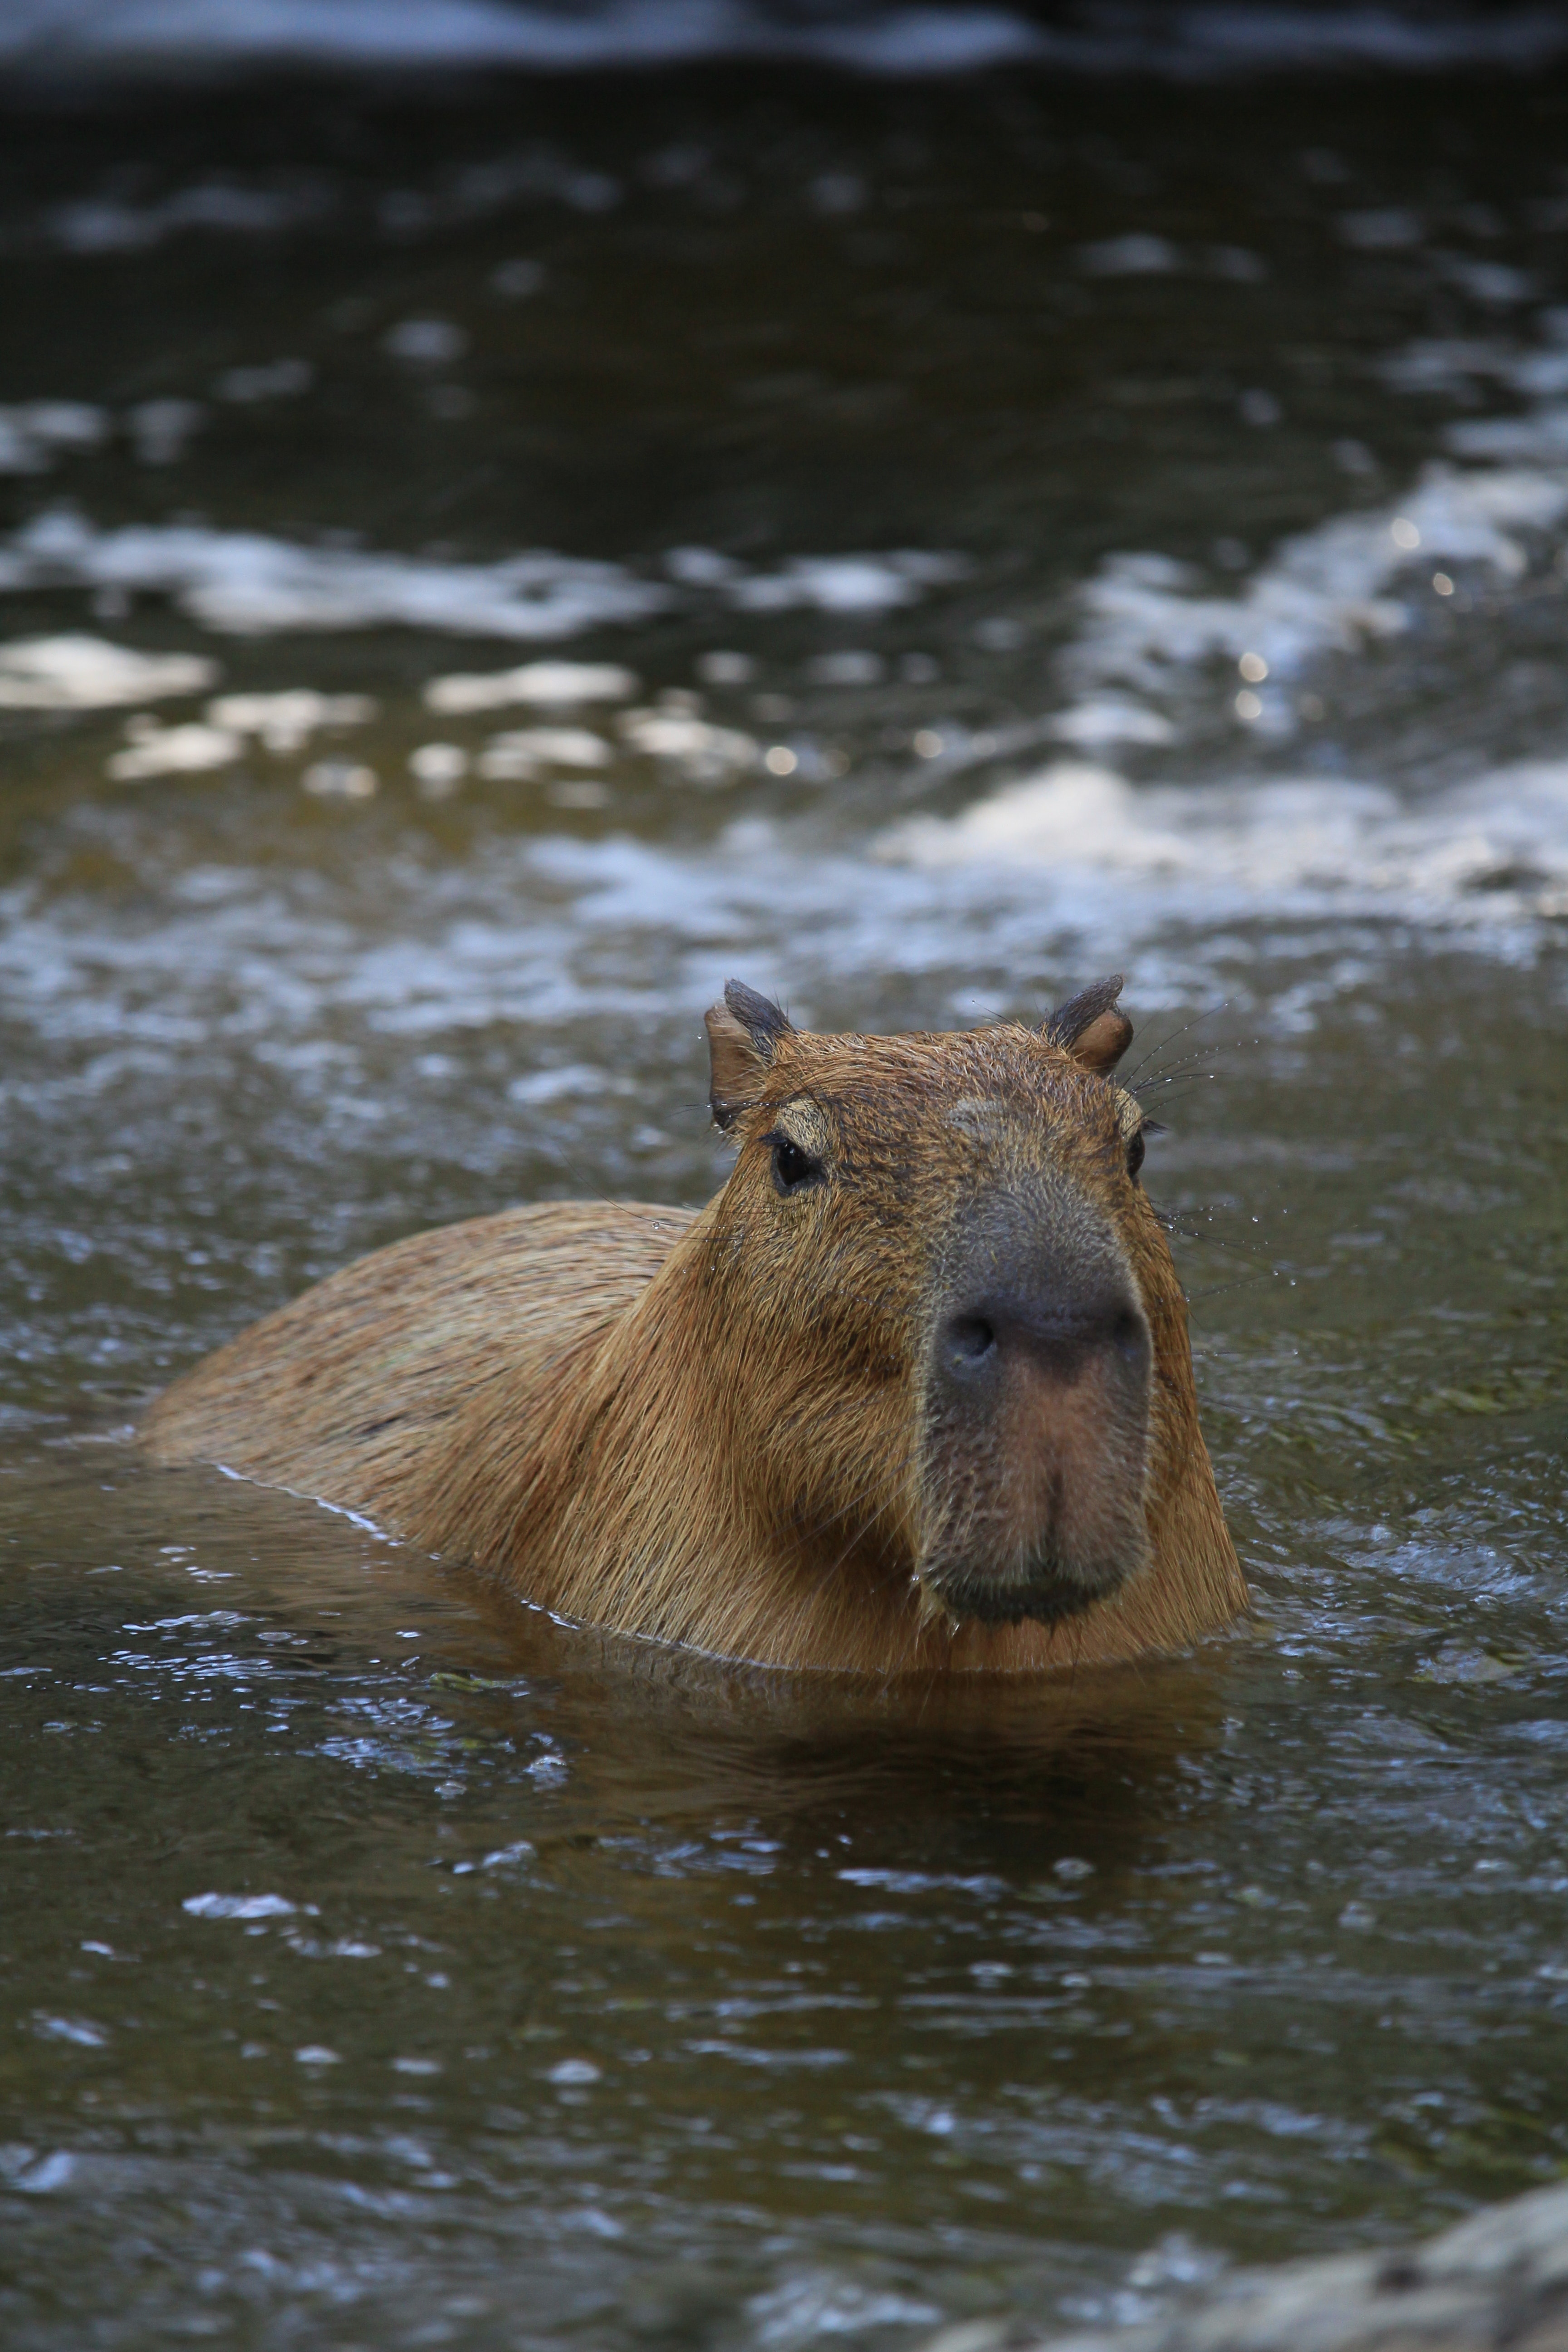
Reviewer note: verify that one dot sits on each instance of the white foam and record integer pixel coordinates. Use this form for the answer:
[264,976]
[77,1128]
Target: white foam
[239,1906]
[286,720]
[537,171]
[1495,283]
[33,433]
[1151,625]
[184,750]
[1078,853]
[161,430]
[273,379]
[424,342]
[437,769]
[1540,438]
[545,683]
[244,583]
[1220,38]
[703,753]
[341,779]
[1453,364]
[1445,363]
[1487,854]
[1148,619]
[313,972]
[1194,41]
[81,673]
[531,752]
[1137,254]
[550,1086]
[842,584]
[1110,719]
[103,225]
[179,33]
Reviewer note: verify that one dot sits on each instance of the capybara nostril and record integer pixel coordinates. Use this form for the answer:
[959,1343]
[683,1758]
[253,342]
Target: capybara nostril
[1130,1335]
[969,1341]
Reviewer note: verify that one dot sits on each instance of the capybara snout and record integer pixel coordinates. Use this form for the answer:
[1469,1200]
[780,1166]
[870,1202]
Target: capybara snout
[1035,1400]
[912,1392]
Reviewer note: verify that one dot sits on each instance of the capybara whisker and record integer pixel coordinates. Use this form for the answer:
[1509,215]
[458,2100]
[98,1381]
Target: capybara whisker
[913,1392]
[1196,1022]
[836,1518]
[1242,1282]
[1239,1245]
[1185,1077]
[858,1538]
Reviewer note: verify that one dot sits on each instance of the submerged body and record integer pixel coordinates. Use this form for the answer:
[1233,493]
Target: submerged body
[912,1392]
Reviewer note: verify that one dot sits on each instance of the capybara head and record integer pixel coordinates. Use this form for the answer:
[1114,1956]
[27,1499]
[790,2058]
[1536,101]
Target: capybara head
[933,1267]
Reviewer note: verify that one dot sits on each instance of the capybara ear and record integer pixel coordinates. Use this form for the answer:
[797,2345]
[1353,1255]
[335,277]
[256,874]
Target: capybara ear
[1092,1026]
[743,1034]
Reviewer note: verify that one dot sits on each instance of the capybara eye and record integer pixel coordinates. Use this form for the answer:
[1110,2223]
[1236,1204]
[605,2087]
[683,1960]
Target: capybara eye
[793,1168]
[1135,1151]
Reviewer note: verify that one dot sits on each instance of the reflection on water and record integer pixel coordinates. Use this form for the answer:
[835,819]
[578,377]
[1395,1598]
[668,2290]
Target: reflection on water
[475,570]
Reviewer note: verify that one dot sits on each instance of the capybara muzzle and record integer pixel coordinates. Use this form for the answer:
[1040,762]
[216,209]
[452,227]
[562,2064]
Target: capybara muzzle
[1036,1398]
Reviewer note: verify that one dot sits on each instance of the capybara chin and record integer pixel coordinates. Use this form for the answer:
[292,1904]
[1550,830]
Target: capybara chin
[912,1392]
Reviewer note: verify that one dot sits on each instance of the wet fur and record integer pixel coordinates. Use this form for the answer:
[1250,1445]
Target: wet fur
[703,1428]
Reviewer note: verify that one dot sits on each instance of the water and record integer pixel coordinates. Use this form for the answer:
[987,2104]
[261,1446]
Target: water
[944,458]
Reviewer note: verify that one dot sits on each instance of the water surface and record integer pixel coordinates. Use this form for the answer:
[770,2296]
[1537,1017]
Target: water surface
[1018,526]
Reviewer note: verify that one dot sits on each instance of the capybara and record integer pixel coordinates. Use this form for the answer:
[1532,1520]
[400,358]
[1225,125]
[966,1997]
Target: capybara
[913,1392]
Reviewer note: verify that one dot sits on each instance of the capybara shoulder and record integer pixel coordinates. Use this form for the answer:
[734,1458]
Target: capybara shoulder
[348,1392]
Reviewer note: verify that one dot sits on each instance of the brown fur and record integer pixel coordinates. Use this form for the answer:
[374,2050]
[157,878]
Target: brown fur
[712,1429]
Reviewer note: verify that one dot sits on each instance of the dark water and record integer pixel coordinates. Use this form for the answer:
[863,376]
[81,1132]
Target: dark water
[384,1965]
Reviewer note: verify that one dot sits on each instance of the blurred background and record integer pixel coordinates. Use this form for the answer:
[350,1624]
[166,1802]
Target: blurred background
[509,515]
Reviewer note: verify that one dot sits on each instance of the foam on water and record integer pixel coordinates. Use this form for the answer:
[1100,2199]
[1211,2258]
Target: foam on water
[1137,254]
[188,750]
[1196,41]
[1074,852]
[704,754]
[35,432]
[841,583]
[244,583]
[1074,866]
[1150,624]
[527,752]
[1486,858]
[91,226]
[273,379]
[1074,856]
[81,673]
[1489,857]
[1148,620]
[1540,436]
[284,721]
[547,684]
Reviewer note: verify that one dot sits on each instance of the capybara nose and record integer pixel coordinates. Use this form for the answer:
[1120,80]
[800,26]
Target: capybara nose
[1057,1329]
